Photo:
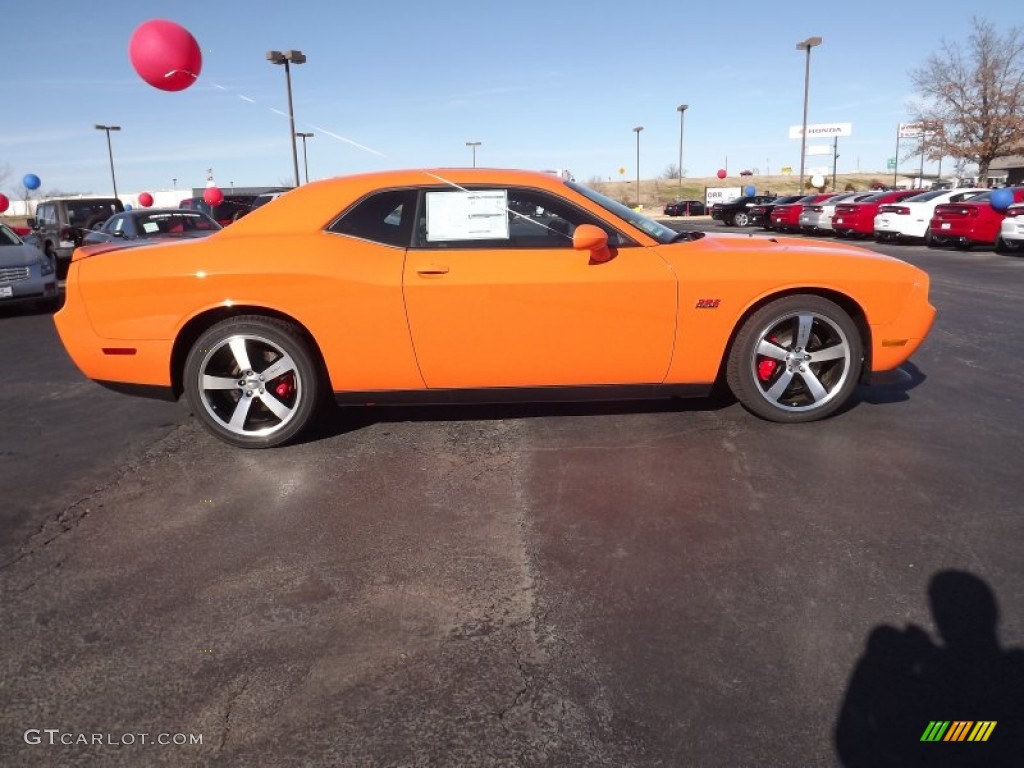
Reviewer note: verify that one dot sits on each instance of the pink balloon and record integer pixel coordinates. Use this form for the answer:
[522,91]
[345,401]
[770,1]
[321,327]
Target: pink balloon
[4,203]
[165,55]
[145,199]
[722,173]
[213,196]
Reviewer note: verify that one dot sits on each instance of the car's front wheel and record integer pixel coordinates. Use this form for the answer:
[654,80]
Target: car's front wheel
[741,219]
[253,381]
[796,359]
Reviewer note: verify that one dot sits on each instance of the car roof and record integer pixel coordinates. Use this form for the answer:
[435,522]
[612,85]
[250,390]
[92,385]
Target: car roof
[314,205]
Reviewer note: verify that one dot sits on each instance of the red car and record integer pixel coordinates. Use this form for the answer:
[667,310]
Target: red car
[971,222]
[786,218]
[858,219]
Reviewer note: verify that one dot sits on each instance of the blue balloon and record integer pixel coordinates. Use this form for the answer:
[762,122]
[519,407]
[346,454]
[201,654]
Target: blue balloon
[128,206]
[750,191]
[31,181]
[1001,199]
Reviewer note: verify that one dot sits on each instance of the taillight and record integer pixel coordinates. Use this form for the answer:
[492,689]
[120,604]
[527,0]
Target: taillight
[902,210]
[67,233]
[1011,212]
[817,209]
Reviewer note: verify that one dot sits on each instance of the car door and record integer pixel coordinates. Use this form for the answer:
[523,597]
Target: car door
[497,296]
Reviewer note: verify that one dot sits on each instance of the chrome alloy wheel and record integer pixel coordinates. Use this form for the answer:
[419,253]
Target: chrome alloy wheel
[801,361]
[249,385]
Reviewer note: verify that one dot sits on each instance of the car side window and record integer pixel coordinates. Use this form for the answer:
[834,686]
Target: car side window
[501,218]
[47,214]
[385,217]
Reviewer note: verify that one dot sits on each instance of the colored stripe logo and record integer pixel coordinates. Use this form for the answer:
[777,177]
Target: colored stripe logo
[958,730]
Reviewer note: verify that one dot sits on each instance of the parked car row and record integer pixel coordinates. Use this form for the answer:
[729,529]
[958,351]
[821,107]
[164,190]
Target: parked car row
[959,217]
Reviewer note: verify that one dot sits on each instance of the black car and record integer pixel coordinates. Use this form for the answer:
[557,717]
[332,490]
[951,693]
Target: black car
[737,212]
[150,223]
[761,214]
[686,208]
[231,208]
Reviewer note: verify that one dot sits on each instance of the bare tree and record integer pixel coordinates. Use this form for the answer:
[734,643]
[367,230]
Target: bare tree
[671,172]
[973,105]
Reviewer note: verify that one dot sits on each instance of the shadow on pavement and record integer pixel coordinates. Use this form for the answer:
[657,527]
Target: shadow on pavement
[340,420]
[896,392]
[906,686]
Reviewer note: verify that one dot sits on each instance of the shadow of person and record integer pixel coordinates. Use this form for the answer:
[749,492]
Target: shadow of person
[905,682]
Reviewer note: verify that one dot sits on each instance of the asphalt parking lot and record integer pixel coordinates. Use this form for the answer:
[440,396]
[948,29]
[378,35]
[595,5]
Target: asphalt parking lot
[629,584]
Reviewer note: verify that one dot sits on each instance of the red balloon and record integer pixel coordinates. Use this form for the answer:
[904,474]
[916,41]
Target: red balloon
[721,173]
[213,196]
[145,199]
[4,203]
[165,55]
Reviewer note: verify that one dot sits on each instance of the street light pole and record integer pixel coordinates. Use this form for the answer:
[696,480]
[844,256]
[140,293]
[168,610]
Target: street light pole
[637,131]
[473,145]
[286,58]
[805,45]
[682,117]
[305,158]
[110,151]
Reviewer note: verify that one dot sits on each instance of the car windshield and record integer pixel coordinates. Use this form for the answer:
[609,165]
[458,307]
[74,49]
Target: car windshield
[659,232]
[925,196]
[80,214]
[174,223]
[7,236]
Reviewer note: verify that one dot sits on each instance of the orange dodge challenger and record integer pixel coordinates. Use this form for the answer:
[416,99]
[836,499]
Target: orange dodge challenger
[434,286]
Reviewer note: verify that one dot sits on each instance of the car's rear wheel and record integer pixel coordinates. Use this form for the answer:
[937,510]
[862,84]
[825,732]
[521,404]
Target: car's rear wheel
[253,381]
[1007,246]
[796,359]
[741,219]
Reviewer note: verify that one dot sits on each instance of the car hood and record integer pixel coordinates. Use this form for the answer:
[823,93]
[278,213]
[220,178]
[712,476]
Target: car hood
[783,249]
[19,255]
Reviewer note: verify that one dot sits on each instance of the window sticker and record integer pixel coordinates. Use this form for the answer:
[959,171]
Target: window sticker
[150,227]
[471,215]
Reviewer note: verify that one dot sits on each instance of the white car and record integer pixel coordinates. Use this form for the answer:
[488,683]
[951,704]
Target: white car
[909,218]
[817,217]
[1011,232]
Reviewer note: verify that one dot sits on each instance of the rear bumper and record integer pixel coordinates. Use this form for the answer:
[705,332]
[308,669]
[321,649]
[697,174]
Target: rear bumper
[960,230]
[136,362]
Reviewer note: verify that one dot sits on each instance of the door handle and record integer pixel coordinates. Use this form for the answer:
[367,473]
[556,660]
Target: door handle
[432,269]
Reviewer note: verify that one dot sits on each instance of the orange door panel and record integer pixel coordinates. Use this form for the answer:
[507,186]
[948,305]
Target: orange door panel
[539,317]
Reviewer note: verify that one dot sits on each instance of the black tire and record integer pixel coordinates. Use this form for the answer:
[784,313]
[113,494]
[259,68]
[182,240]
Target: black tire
[263,361]
[1014,247]
[741,219]
[772,369]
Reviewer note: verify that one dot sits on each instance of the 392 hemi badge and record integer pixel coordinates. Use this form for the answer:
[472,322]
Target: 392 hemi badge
[708,303]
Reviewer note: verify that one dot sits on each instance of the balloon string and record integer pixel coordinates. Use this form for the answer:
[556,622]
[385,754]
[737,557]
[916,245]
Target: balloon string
[321,129]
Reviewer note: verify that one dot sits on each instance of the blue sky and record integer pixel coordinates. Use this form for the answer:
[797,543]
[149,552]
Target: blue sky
[556,84]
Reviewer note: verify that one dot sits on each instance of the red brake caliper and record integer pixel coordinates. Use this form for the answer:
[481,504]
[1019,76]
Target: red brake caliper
[767,367]
[286,386]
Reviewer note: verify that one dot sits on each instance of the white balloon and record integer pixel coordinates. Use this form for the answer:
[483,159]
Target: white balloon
[817,180]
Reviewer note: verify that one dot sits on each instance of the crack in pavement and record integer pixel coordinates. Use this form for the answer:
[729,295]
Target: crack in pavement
[228,710]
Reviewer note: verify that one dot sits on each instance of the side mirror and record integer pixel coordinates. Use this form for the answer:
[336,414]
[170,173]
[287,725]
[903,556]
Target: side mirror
[587,237]
[117,233]
[30,222]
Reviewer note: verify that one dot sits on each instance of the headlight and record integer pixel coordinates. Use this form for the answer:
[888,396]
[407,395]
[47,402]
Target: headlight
[46,266]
